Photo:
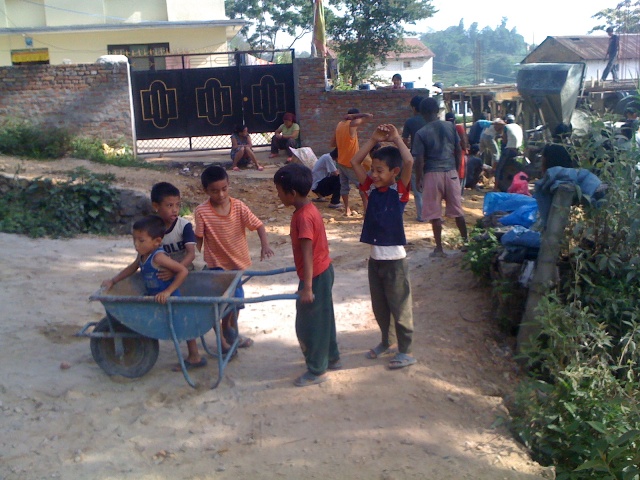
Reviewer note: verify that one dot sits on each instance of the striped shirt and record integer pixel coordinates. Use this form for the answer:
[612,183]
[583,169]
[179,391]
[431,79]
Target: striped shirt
[225,239]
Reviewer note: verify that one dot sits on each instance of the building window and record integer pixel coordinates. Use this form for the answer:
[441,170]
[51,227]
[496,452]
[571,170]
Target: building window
[142,56]
[406,64]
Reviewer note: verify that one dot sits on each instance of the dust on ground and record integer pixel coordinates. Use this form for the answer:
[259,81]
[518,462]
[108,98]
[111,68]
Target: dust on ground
[443,418]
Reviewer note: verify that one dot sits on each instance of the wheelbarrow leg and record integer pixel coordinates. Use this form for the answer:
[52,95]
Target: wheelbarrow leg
[176,344]
[223,358]
[222,362]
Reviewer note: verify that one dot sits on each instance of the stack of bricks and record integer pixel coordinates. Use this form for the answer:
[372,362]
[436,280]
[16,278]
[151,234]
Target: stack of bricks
[319,110]
[88,100]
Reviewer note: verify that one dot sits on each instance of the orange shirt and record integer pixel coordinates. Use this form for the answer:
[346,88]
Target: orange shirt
[347,145]
[225,239]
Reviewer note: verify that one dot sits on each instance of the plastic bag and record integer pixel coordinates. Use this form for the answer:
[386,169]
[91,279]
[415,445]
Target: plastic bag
[505,202]
[525,216]
[521,237]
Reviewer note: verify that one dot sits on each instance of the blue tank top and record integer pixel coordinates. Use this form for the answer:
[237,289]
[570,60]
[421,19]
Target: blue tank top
[152,283]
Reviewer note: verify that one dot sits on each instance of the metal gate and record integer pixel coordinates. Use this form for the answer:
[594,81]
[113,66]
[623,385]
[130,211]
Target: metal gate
[193,105]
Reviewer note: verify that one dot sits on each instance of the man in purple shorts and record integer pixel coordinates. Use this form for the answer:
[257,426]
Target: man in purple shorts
[436,149]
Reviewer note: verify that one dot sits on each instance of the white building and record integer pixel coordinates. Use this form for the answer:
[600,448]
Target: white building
[414,65]
[77,31]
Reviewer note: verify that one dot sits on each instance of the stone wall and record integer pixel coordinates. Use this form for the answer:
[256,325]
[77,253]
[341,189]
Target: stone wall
[90,100]
[319,111]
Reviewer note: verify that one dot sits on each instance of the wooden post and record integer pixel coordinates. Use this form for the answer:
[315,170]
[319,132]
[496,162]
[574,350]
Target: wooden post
[546,264]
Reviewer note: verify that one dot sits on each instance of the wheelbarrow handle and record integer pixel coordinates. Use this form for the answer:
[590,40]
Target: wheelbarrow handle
[248,274]
[262,273]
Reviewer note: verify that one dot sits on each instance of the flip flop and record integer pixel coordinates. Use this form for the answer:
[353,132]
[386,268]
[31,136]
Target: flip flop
[335,365]
[378,351]
[189,365]
[319,199]
[437,254]
[401,360]
[245,342]
[260,169]
[309,378]
[236,169]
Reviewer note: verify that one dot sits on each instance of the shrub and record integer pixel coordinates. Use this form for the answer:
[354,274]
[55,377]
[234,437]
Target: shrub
[481,252]
[580,410]
[118,154]
[83,204]
[24,139]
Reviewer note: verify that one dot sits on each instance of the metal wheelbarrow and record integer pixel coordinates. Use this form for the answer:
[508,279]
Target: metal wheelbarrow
[125,341]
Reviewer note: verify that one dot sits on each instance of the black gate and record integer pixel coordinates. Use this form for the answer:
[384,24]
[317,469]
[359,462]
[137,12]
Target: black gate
[181,109]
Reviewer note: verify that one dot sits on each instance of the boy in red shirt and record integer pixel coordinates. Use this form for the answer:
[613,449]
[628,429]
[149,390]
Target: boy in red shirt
[315,320]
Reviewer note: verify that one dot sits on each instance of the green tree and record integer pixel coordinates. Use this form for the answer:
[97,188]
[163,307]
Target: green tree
[268,18]
[365,32]
[466,57]
[624,17]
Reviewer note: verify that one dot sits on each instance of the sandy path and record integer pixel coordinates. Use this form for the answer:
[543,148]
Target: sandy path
[436,420]
[432,421]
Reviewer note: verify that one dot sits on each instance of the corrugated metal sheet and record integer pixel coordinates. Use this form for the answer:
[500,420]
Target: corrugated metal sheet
[584,47]
[417,49]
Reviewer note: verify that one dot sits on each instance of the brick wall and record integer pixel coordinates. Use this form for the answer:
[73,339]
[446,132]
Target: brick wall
[319,111]
[94,100]
[89,100]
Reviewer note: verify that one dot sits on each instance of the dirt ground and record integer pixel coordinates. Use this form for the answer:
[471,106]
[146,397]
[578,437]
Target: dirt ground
[443,418]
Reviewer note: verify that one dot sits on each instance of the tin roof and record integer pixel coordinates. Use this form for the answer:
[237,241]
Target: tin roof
[416,49]
[584,48]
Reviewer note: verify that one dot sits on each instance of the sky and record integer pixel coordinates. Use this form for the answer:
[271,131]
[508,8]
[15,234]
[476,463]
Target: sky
[535,20]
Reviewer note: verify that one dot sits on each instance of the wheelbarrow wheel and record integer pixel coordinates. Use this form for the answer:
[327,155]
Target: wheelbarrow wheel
[139,353]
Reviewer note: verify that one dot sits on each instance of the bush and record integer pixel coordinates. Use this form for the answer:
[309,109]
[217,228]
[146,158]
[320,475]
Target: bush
[83,204]
[23,139]
[118,154]
[580,411]
[481,252]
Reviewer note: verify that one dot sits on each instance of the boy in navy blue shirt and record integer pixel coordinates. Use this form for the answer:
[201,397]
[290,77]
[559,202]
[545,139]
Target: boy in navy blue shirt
[383,229]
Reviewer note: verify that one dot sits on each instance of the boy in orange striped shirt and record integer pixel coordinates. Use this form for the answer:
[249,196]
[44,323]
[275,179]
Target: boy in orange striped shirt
[221,225]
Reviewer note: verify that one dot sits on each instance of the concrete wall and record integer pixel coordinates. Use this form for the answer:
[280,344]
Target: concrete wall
[89,100]
[86,47]
[50,13]
[319,111]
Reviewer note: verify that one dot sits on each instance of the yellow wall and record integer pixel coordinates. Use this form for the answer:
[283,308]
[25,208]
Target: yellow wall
[16,14]
[53,13]
[136,11]
[63,12]
[86,47]
[193,10]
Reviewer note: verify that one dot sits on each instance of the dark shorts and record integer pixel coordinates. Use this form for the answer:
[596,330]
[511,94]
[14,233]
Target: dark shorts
[239,293]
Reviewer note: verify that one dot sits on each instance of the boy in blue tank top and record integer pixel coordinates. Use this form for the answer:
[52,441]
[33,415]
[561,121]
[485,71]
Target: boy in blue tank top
[383,229]
[147,240]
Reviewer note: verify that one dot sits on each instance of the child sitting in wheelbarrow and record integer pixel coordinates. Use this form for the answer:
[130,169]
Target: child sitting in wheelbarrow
[147,240]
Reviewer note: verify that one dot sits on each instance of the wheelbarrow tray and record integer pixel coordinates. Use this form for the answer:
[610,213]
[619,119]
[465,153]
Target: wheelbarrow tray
[205,297]
[125,341]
